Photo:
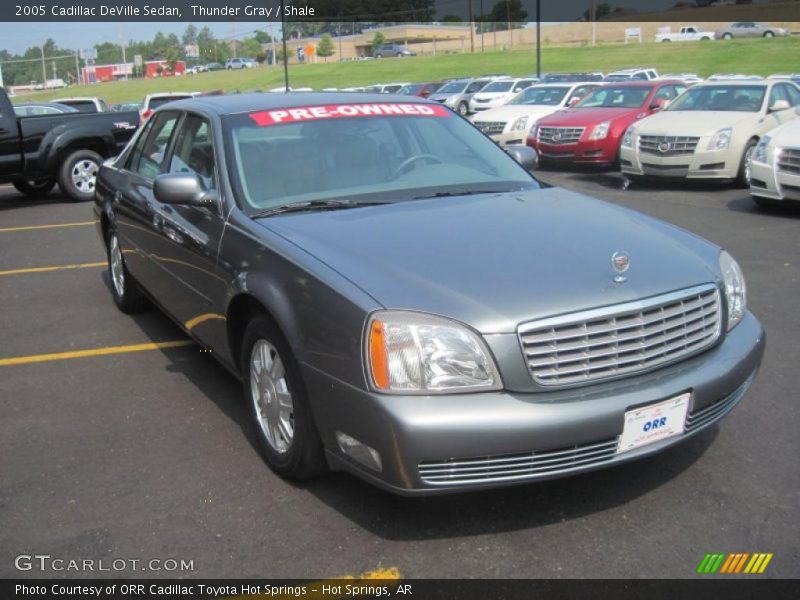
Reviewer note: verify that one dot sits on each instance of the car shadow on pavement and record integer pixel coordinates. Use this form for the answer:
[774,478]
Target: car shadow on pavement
[518,508]
[745,204]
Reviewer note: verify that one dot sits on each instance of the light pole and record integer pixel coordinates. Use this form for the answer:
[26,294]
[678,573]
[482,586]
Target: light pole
[538,39]
[44,70]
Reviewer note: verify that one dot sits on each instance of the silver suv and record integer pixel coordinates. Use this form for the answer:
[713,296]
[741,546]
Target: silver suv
[457,93]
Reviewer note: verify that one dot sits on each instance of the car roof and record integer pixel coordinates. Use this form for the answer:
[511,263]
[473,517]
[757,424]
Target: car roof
[245,103]
[739,82]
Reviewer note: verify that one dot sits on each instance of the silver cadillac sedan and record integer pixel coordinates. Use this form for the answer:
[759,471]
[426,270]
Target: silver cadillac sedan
[402,300]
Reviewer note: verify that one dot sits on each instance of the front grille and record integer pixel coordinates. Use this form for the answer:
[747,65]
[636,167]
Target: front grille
[623,339]
[560,135]
[491,127]
[667,145]
[789,161]
[508,467]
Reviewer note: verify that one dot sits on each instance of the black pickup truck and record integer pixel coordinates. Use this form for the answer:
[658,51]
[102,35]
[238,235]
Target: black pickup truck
[68,149]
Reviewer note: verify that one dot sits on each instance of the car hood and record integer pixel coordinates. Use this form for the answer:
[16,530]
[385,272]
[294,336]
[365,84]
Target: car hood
[514,111]
[441,97]
[693,122]
[581,117]
[490,95]
[495,260]
[787,134]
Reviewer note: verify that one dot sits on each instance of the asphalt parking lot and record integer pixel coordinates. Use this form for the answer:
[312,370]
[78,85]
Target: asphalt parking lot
[141,449]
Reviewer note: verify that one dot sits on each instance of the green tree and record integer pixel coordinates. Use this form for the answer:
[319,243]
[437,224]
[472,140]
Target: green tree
[325,47]
[190,35]
[378,40]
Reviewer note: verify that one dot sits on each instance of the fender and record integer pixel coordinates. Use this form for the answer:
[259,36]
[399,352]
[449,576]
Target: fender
[55,143]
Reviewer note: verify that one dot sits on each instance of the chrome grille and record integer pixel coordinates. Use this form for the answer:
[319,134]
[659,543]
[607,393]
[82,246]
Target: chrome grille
[491,127]
[673,145]
[623,339]
[789,160]
[560,135]
[508,467]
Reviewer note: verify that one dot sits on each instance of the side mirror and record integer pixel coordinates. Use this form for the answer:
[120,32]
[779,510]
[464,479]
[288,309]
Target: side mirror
[780,105]
[524,155]
[659,103]
[183,188]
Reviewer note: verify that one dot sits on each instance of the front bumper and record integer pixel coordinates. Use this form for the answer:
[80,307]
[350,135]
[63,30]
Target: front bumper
[551,434]
[591,152]
[702,164]
[768,182]
[510,138]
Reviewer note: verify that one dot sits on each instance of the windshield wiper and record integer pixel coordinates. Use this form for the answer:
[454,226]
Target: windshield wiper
[460,193]
[313,205]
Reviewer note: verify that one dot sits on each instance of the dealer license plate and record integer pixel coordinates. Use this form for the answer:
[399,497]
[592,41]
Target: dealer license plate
[653,423]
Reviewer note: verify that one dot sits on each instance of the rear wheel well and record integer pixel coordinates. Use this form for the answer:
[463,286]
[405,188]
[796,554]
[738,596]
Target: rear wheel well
[94,144]
[241,311]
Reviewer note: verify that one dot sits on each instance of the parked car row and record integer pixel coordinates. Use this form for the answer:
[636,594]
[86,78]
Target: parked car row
[741,129]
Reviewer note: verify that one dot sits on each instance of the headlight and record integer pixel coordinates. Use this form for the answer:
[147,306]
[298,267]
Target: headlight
[600,132]
[534,130]
[627,139]
[520,124]
[720,140]
[415,353]
[735,289]
[450,100]
[761,154]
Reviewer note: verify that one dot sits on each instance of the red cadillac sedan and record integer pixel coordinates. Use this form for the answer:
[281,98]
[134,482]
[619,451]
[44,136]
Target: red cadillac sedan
[590,132]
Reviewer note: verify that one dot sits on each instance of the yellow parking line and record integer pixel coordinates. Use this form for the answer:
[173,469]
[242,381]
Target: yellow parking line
[334,587]
[54,268]
[53,226]
[37,358]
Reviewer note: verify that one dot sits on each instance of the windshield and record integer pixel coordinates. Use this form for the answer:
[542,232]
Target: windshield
[454,87]
[743,98]
[498,86]
[550,96]
[379,152]
[616,96]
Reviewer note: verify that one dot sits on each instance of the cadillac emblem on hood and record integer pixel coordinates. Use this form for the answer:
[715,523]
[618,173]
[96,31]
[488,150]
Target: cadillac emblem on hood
[621,263]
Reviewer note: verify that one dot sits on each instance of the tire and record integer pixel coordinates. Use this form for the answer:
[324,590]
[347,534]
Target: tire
[78,174]
[286,432]
[124,289]
[743,175]
[398,55]
[768,34]
[665,41]
[462,108]
[705,39]
[727,36]
[34,187]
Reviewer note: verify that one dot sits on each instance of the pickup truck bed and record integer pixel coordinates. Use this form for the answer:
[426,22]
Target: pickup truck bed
[68,149]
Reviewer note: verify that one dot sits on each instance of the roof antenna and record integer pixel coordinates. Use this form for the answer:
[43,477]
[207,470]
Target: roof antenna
[285,53]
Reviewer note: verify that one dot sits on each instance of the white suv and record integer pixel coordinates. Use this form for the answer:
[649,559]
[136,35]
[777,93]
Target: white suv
[634,74]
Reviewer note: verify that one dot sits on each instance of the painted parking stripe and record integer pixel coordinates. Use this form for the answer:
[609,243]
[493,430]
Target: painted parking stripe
[105,351]
[53,268]
[53,226]
[314,589]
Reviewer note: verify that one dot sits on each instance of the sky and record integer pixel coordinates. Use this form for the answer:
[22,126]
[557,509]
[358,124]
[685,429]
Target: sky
[18,37]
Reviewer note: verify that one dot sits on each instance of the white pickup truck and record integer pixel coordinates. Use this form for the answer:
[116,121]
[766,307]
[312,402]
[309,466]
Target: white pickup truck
[690,33]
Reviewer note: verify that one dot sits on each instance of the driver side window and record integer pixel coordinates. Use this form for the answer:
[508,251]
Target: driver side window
[194,151]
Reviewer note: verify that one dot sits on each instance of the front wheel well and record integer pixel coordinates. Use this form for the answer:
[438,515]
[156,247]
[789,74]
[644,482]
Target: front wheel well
[242,309]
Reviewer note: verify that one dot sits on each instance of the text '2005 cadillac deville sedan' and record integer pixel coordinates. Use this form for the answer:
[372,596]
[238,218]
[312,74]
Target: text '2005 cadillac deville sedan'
[402,300]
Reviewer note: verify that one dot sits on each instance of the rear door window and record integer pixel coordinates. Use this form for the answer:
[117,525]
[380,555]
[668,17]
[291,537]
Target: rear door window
[150,160]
